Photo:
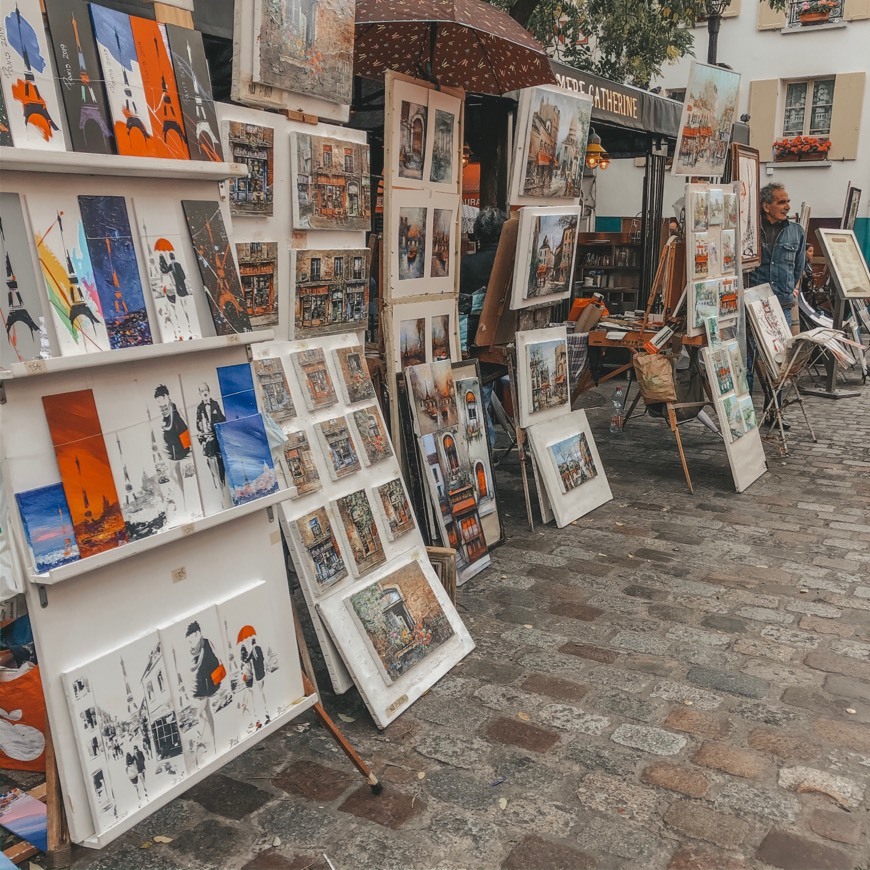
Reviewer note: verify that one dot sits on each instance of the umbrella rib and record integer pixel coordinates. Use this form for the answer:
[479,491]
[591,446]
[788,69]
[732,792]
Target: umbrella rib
[491,64]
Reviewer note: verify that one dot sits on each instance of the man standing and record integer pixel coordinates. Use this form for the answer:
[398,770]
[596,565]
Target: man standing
[209,412]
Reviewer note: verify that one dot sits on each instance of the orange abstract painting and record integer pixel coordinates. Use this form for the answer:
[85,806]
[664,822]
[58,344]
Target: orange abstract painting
[85,471]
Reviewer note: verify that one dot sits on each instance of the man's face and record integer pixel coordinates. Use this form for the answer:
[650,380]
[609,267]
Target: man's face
[193,641]
[163,404]
[778,209]
[204,392]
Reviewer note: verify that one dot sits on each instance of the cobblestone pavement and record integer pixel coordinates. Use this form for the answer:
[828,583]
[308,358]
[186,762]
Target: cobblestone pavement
[674,681]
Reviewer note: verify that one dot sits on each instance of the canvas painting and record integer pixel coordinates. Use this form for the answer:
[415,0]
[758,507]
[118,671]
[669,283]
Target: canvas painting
[247,457]
[402,620]
[542,363]
[432,395]
[194,92]
[373,435]
[126,728]
[703,299]
[48,527]
[700,200]
[274,390]
[699,256]
[722,369]
[337,445]
[729,255]
[198,662]
[258,271]
[412,342]
[331,183]
[26,817]
[745,161]
[361,532]
[299,464]
[546,244]
[5,132]
[32,106]
[24,335]
[116,270]
[85,471]
[67,273]
[472,429]
[551,135]
[413,126]
[848,267]
[747,410]
[170,275]
[734,415]
[738,367]
[252,146]
[728,298]
[571,469]
[442,159]
[769,325]
[850,207]
[395,508]
[305,47]
[442,252]
[412,242]
[356,385]
[729,219]
[716,199]
[318,548]
[81,82]
[440,336]
[217,267]
[313,374]
[331,290]
[150,452]
[705,126]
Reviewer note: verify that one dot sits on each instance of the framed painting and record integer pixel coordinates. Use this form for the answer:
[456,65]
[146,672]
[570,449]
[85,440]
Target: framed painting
[850,208]
[331,290]
[846,262]
[356,385]
[570,466]
[398,634]
[258,272]
[253,146]
[360,532]
[772,332]
[746,170]
[247,457]
[443,154]
[546,245]
[705,125]
[543,381]
[550,145]
[409,125]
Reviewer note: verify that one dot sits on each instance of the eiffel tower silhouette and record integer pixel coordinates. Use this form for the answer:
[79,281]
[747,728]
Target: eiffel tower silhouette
[27,93]
[168,120]
[77,305]
[17,311]
[90,109]
[131,113]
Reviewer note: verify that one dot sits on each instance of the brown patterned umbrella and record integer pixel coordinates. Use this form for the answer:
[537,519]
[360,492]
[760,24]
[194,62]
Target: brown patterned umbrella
[458,43]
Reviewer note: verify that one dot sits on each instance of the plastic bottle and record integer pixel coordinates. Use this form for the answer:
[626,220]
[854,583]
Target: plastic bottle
[616,418]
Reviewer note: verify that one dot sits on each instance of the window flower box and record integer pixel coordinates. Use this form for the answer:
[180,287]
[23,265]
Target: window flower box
[816,11]
[800,148]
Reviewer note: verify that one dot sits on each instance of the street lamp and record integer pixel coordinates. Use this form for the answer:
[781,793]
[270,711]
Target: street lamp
[596,156]
[714,8]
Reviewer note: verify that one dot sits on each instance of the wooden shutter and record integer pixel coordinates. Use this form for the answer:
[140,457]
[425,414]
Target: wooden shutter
[846,115]
[763,99]
[770,19]
[856,10]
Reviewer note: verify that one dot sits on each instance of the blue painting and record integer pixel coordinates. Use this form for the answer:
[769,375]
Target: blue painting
[48,526]
[22,37]
[237,391]
[247,458]
[114,32]
[116,272]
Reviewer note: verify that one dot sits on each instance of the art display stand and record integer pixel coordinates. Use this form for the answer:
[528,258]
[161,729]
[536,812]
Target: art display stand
[831,390]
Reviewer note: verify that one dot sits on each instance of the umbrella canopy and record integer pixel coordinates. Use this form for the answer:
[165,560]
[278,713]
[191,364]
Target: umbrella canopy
[457,43]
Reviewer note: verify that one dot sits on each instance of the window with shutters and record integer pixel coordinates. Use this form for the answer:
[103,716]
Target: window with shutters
[808,108]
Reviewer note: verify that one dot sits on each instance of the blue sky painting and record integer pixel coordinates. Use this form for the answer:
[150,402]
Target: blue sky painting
[48,526]
[113,30]
[247,458]
[237,391]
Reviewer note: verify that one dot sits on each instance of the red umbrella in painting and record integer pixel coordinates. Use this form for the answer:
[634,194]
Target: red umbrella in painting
[245,632]
[457,43]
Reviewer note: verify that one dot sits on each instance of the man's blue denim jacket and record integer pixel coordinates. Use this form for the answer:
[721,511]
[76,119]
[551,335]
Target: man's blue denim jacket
[782,266]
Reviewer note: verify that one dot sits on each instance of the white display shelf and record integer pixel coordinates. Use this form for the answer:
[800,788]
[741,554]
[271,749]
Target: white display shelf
[80,163]
[97,841]
[143,545]
[56,364]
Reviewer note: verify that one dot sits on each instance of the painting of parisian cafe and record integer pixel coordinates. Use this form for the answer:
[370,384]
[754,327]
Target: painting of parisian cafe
[331,291]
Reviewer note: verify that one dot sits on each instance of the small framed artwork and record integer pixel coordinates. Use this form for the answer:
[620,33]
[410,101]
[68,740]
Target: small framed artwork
[360,531]
[394,508]
[432,396]
[313,374]
[850,209]
[746,171]
[338,447]
[543,379]
[356,385]
[423,332]
[298,463]
[442,164]
[318,555]
[847,264]
[409,108]
[372,432]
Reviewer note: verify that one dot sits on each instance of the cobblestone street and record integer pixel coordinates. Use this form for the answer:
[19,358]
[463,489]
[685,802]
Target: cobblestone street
[674,681]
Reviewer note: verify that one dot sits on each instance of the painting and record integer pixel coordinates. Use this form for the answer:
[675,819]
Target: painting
[33,109]
[570,467]
[354,380]
[413,125]
[442,250]
[162,103]
[217,267]
[253,146]
[81,82]
[248,460]
[237,391]
[700,209]
[331,290]
[703,299]
[738,367]
[5,132]
[274,390]
[48,527]
[392,501]
[338,447]
[730,210]
[150,452]
[442,159]
[299,465]
[70,285]
[705,125]
[552,131]
[728,298]
[433,400]
[313,374]
[170,277]
[440,337]
[25,817]
[412,242]
[850,207]
[847,264]
[746,169]
[318,549]
[729,256]
[721,360]
[412,342]
[258,271]
[546,244]
[716,202]
[24,335]
[542,374]
[194,92]
[331,183]
[747,410]
[769,325]
[699,256]
[734,416]
[116,270]
[361,532]
[85,471]
[373,434]
[305,47]
[126,728]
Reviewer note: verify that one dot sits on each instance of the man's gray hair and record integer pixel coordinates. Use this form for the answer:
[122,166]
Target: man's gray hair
[768,191]
[488,224]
